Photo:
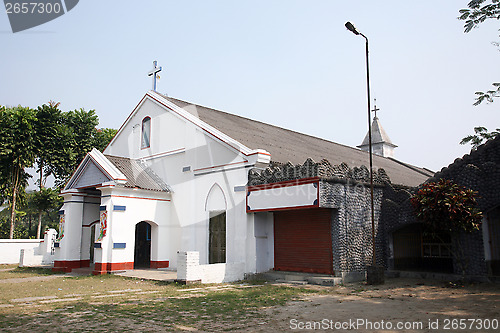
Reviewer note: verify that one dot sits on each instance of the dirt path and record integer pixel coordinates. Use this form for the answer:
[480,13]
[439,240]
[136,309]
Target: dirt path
[31,279]
[401,305]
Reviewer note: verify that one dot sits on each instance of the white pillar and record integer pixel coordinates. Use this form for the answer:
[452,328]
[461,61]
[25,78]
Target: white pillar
[68,243]
[188,266]
[104,243]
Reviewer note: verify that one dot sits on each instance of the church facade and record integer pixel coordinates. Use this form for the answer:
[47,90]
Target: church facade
[248,197]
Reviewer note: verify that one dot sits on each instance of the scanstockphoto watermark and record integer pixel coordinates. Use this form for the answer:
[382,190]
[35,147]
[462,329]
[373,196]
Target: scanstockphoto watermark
[360,324]
[26,14]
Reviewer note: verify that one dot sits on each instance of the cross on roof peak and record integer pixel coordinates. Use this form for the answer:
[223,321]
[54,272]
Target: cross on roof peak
[154,73]
[375,109]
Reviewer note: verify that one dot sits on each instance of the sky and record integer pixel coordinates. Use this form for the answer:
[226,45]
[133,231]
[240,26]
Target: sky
[288,63]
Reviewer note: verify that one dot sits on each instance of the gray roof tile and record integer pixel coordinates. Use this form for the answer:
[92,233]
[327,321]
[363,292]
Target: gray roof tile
[138,176]
[286,145]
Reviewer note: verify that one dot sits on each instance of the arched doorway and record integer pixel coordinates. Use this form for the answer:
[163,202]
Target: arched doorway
[142,250]
[494,240]
[416,249]
[92,244]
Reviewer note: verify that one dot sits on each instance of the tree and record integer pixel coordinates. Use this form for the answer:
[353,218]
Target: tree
[17,152]
[46,200]
[445,206]
[82,125]
[103,137]
[482,135]
[57,141]
[477,12]
[63,140]
[51,149]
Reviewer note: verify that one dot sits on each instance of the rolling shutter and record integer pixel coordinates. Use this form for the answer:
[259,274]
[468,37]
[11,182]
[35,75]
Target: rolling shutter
[303,241]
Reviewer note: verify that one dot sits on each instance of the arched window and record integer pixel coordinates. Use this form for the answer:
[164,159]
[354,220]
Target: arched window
[216,206]
[146,133]
[217,238]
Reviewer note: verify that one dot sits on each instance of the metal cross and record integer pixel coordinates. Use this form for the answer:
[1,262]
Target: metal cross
[375,109]
[154,72]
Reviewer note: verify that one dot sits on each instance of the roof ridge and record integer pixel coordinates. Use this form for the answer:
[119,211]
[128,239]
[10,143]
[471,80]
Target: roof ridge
[289,130]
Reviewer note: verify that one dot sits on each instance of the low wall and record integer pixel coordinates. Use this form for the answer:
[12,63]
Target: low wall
[10,249]
[28,252]
[189,270]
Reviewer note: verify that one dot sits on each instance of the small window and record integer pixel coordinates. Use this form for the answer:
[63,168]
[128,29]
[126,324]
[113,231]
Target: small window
[217,239]
[436,245]
[146,133]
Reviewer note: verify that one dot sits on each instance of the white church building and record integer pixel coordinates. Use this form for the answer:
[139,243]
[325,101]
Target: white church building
[173,183]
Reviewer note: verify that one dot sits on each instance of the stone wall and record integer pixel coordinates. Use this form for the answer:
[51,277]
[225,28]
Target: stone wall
[347,192]
[479,171]
[341,173]
[351,224]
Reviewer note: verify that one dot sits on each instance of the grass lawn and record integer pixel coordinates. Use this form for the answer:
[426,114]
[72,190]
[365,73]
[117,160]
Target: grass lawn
[13,272]
[113,303]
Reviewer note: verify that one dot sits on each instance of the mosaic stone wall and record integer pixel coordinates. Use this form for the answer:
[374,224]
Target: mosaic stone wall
[347,192]
[351,224]
[479,171]
[341,173]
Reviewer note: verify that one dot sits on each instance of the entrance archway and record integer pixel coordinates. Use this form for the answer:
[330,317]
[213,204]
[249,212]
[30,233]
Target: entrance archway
[416,249]
[92,243]
[494,240]
[142,249]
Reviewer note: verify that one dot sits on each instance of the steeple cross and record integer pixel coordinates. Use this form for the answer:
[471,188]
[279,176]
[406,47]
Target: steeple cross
[154,72]
[375,109]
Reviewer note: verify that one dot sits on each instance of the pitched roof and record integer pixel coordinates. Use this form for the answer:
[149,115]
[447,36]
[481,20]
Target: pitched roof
[290,146]
[378,135]
[138,176]
[94,169]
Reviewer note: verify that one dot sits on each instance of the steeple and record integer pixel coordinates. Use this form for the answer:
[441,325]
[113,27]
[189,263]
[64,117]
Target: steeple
[381,143]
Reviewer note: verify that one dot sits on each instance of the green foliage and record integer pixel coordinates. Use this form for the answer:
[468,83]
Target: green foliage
[489,95]
[103,137]
[81,135]
[477,12]
[16,142]
[83,127]
[46,199]
[52,142]
[57,141]
[447,206]
[20,230]
[17,152]
[482,135]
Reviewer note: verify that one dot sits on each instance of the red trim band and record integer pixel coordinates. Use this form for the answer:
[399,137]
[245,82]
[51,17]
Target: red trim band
[107,267]
[160,264]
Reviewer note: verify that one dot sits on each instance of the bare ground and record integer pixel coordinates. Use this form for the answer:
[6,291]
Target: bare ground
[111,304]
[421,306]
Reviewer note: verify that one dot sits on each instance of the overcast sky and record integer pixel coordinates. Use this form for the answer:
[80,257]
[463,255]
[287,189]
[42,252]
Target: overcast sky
[287,63]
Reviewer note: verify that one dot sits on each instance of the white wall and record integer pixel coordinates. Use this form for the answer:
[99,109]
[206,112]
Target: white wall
[189,270]
[27,252]
[10,249]
[264,241]
[177,143]
[140,206]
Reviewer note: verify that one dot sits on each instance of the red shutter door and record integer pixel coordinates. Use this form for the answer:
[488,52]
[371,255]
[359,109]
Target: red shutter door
[303,241]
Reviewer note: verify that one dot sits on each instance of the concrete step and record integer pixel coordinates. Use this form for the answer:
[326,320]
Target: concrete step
[325,281]
[300,282]
[301,278]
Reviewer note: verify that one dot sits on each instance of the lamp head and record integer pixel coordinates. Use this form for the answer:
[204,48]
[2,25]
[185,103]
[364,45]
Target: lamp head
[352,28]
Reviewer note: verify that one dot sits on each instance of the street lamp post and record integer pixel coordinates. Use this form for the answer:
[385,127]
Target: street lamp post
[355,31]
